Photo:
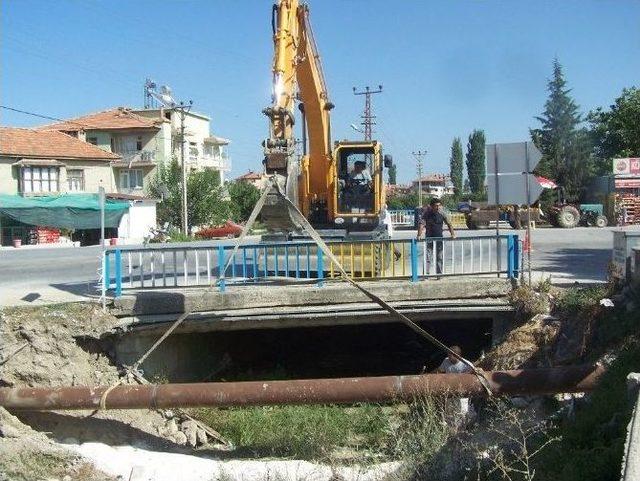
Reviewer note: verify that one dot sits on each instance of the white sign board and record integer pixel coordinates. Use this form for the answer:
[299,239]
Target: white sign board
[512,157]
[508,171]
[513,189]
[626,166]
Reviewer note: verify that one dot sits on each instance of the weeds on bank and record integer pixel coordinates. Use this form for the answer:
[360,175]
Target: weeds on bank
[592,443]
[330,433]
[514,441]
[528,302]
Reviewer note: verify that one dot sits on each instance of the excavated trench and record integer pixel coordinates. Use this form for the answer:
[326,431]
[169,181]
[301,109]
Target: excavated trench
[296,353]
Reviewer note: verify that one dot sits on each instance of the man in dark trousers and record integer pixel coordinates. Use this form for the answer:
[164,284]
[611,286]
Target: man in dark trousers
[431,223]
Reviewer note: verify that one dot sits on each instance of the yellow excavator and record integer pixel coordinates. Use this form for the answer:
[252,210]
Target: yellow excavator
[339,186]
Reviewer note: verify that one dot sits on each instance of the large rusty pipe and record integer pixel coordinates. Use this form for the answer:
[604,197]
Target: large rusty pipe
[306,391]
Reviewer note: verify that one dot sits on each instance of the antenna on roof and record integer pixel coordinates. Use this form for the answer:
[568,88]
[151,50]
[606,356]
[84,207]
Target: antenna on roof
[149,101]
[153,99]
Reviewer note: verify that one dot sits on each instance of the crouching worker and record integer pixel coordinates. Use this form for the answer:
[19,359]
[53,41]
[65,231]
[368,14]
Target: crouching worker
[461,410]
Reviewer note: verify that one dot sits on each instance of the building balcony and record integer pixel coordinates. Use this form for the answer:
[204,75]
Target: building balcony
[137,157]
[218,162]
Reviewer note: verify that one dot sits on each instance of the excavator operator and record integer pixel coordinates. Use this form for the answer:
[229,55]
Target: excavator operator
[358,187]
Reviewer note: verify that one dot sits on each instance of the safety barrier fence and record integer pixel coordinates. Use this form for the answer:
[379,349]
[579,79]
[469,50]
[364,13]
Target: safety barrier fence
[406,218]
[168,266]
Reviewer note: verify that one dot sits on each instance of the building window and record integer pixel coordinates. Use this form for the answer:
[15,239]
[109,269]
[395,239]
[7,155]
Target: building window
[131,179]
[40,179]
[75,180]
[92,140]
[139,144]
[167,115]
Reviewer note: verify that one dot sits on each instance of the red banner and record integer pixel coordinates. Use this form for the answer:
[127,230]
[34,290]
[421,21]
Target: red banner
[627,183]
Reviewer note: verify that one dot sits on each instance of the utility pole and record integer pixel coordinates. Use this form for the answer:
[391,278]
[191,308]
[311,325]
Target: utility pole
[183,108]
[419,154]
[368,119]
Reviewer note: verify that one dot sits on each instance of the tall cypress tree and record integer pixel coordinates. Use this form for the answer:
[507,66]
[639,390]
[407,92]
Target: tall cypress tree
[456,166]
[392,174]
[476,171]
[565,149]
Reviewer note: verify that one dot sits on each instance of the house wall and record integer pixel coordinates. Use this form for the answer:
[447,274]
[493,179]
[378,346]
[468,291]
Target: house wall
[103,138]
[96,173]
[148,172]
[8,176]
[138,221]
[197,128]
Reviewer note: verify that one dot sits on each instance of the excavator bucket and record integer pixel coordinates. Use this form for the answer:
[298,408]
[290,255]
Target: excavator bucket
[277,214]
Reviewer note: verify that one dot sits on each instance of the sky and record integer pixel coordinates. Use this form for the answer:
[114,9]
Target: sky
[447,67]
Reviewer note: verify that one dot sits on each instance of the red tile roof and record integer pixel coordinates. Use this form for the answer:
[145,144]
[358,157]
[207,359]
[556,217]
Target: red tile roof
[42,144]
[251,175]
[435,178]
[119,118]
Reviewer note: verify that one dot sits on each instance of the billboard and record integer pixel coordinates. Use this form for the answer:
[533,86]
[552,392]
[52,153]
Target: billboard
[626,166]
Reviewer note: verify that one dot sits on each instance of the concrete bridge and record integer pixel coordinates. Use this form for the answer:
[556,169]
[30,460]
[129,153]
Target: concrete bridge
[460,310]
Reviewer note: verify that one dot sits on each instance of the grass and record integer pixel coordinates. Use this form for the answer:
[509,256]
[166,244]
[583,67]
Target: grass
[28,464]
[325,433]
[305,432]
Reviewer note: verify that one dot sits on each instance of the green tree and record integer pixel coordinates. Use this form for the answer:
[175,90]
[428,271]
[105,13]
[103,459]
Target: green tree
[476,171]
[564,145]
[403,201]
[456,166]
[616,132]
[244,197]
[205,201]
[393,171]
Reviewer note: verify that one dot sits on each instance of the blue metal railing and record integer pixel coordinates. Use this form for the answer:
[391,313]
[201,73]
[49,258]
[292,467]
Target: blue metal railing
[184,266]
[402,217]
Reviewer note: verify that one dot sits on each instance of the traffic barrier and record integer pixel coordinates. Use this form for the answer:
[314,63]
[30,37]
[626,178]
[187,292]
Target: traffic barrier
[406,218]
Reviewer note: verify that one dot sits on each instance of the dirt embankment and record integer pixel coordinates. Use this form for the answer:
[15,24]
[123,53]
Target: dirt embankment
[42,347]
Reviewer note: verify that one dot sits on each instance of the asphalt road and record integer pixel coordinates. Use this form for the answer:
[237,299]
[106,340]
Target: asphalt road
[39,275]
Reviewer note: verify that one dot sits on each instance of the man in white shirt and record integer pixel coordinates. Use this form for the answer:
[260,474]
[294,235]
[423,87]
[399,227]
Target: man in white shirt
[452,365]
[360,183]
[360,176]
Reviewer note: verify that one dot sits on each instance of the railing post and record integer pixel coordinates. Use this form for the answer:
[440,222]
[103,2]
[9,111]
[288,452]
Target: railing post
[516,256]
[107,271]
[118,261]
[221,281]
[510,256]
[320,267]
[414,260]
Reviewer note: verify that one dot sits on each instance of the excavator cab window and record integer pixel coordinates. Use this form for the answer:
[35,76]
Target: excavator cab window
[355,181]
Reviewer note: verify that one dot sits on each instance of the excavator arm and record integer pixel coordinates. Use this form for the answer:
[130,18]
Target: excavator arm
[318,181]
[298,77]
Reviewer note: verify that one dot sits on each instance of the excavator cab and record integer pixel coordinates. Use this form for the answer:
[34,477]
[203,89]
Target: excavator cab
[359,194]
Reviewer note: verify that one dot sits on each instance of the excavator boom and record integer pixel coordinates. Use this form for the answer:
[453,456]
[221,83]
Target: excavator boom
[320,180]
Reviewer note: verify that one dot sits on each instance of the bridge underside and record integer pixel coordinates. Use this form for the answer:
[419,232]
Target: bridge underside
[275,325]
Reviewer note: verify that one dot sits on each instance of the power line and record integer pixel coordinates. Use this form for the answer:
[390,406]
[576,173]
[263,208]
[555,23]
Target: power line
[42,116]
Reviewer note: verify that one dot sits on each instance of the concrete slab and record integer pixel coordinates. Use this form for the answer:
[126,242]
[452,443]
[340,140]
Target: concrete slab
[317,316]
[169,301]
